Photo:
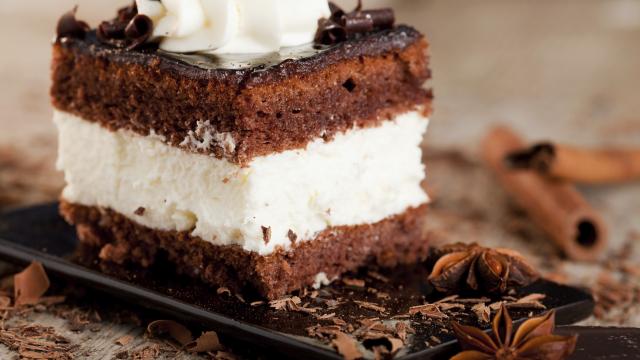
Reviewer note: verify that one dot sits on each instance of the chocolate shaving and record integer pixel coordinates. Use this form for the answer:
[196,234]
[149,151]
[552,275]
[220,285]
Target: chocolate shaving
[139,211]
[428,310]
[483,312]
[176,331]
[208,341]
[37,342]
[370,306]
[223,290]
[124,340]
[346,346]
[354,282]
[69,26]
[342,25]
[30,284]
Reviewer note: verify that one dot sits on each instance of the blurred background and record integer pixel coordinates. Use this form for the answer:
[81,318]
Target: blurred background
[561,70]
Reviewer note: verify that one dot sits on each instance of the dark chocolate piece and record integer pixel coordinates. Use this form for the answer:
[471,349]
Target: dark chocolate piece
[69,26]
[341,25]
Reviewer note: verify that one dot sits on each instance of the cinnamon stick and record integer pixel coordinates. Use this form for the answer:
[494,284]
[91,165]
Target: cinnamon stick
[555,206]
[578,165]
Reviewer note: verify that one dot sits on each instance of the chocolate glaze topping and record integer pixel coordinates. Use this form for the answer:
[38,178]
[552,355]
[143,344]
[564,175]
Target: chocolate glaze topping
[249,67]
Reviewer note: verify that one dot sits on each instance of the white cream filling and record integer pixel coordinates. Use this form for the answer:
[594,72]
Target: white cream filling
[233,26]
[361,176]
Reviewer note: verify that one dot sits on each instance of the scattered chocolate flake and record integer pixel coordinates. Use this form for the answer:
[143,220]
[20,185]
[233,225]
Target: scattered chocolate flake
[428,310]
[175,330]
[30,284]
[124,340]
[208,341]
[402,330]
[266,234]
[148,352]
[257,303]
[223,290]
[69,26]
[291,303]
[323,331]
[342,25]
[140,211]
[370,306]
[354,282]
[378,276]
[292,236]
[37,342]
[534,339]
[483,312]
[461,266]
[329,316]
[346,346]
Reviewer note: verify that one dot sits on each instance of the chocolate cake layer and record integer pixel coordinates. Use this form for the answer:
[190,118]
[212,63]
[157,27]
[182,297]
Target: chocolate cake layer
[396,240]
[265,106]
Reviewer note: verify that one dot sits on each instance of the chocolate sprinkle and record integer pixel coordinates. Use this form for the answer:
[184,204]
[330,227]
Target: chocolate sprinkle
[69,26]
[342,26]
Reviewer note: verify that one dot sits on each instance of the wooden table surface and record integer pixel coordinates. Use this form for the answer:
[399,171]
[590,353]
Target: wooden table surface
[565,70]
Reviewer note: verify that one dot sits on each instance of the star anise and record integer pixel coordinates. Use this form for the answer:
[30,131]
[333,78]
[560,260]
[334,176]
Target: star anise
[534,339]
[461,266]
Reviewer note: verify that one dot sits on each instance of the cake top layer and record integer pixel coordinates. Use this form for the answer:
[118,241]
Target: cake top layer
[251,68]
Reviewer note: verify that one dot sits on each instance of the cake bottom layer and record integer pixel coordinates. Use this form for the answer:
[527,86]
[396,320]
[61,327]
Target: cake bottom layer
[395,240]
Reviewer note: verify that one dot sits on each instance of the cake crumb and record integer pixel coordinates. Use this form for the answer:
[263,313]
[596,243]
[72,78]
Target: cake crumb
[292,236]
[266,234]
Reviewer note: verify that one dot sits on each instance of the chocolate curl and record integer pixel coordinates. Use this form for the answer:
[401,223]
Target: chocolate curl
[128,30]
[330,32]
[138,31]
[556,207]
[579,165]
[69,26]
[341,25]
[30,284]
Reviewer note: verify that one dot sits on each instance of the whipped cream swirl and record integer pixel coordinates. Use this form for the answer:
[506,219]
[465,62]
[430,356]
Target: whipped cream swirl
[233,26]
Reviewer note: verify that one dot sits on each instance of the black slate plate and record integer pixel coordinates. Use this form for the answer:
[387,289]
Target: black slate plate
[604,343]
[38,233]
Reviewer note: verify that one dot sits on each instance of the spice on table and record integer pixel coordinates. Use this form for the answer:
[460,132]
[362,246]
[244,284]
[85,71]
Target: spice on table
[555,206]
[576,165]
[471,266]
[534,339]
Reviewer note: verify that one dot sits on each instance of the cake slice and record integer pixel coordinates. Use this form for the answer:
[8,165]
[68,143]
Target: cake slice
[262,171]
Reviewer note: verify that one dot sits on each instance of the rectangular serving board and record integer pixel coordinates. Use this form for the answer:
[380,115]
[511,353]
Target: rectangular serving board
[39,233]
